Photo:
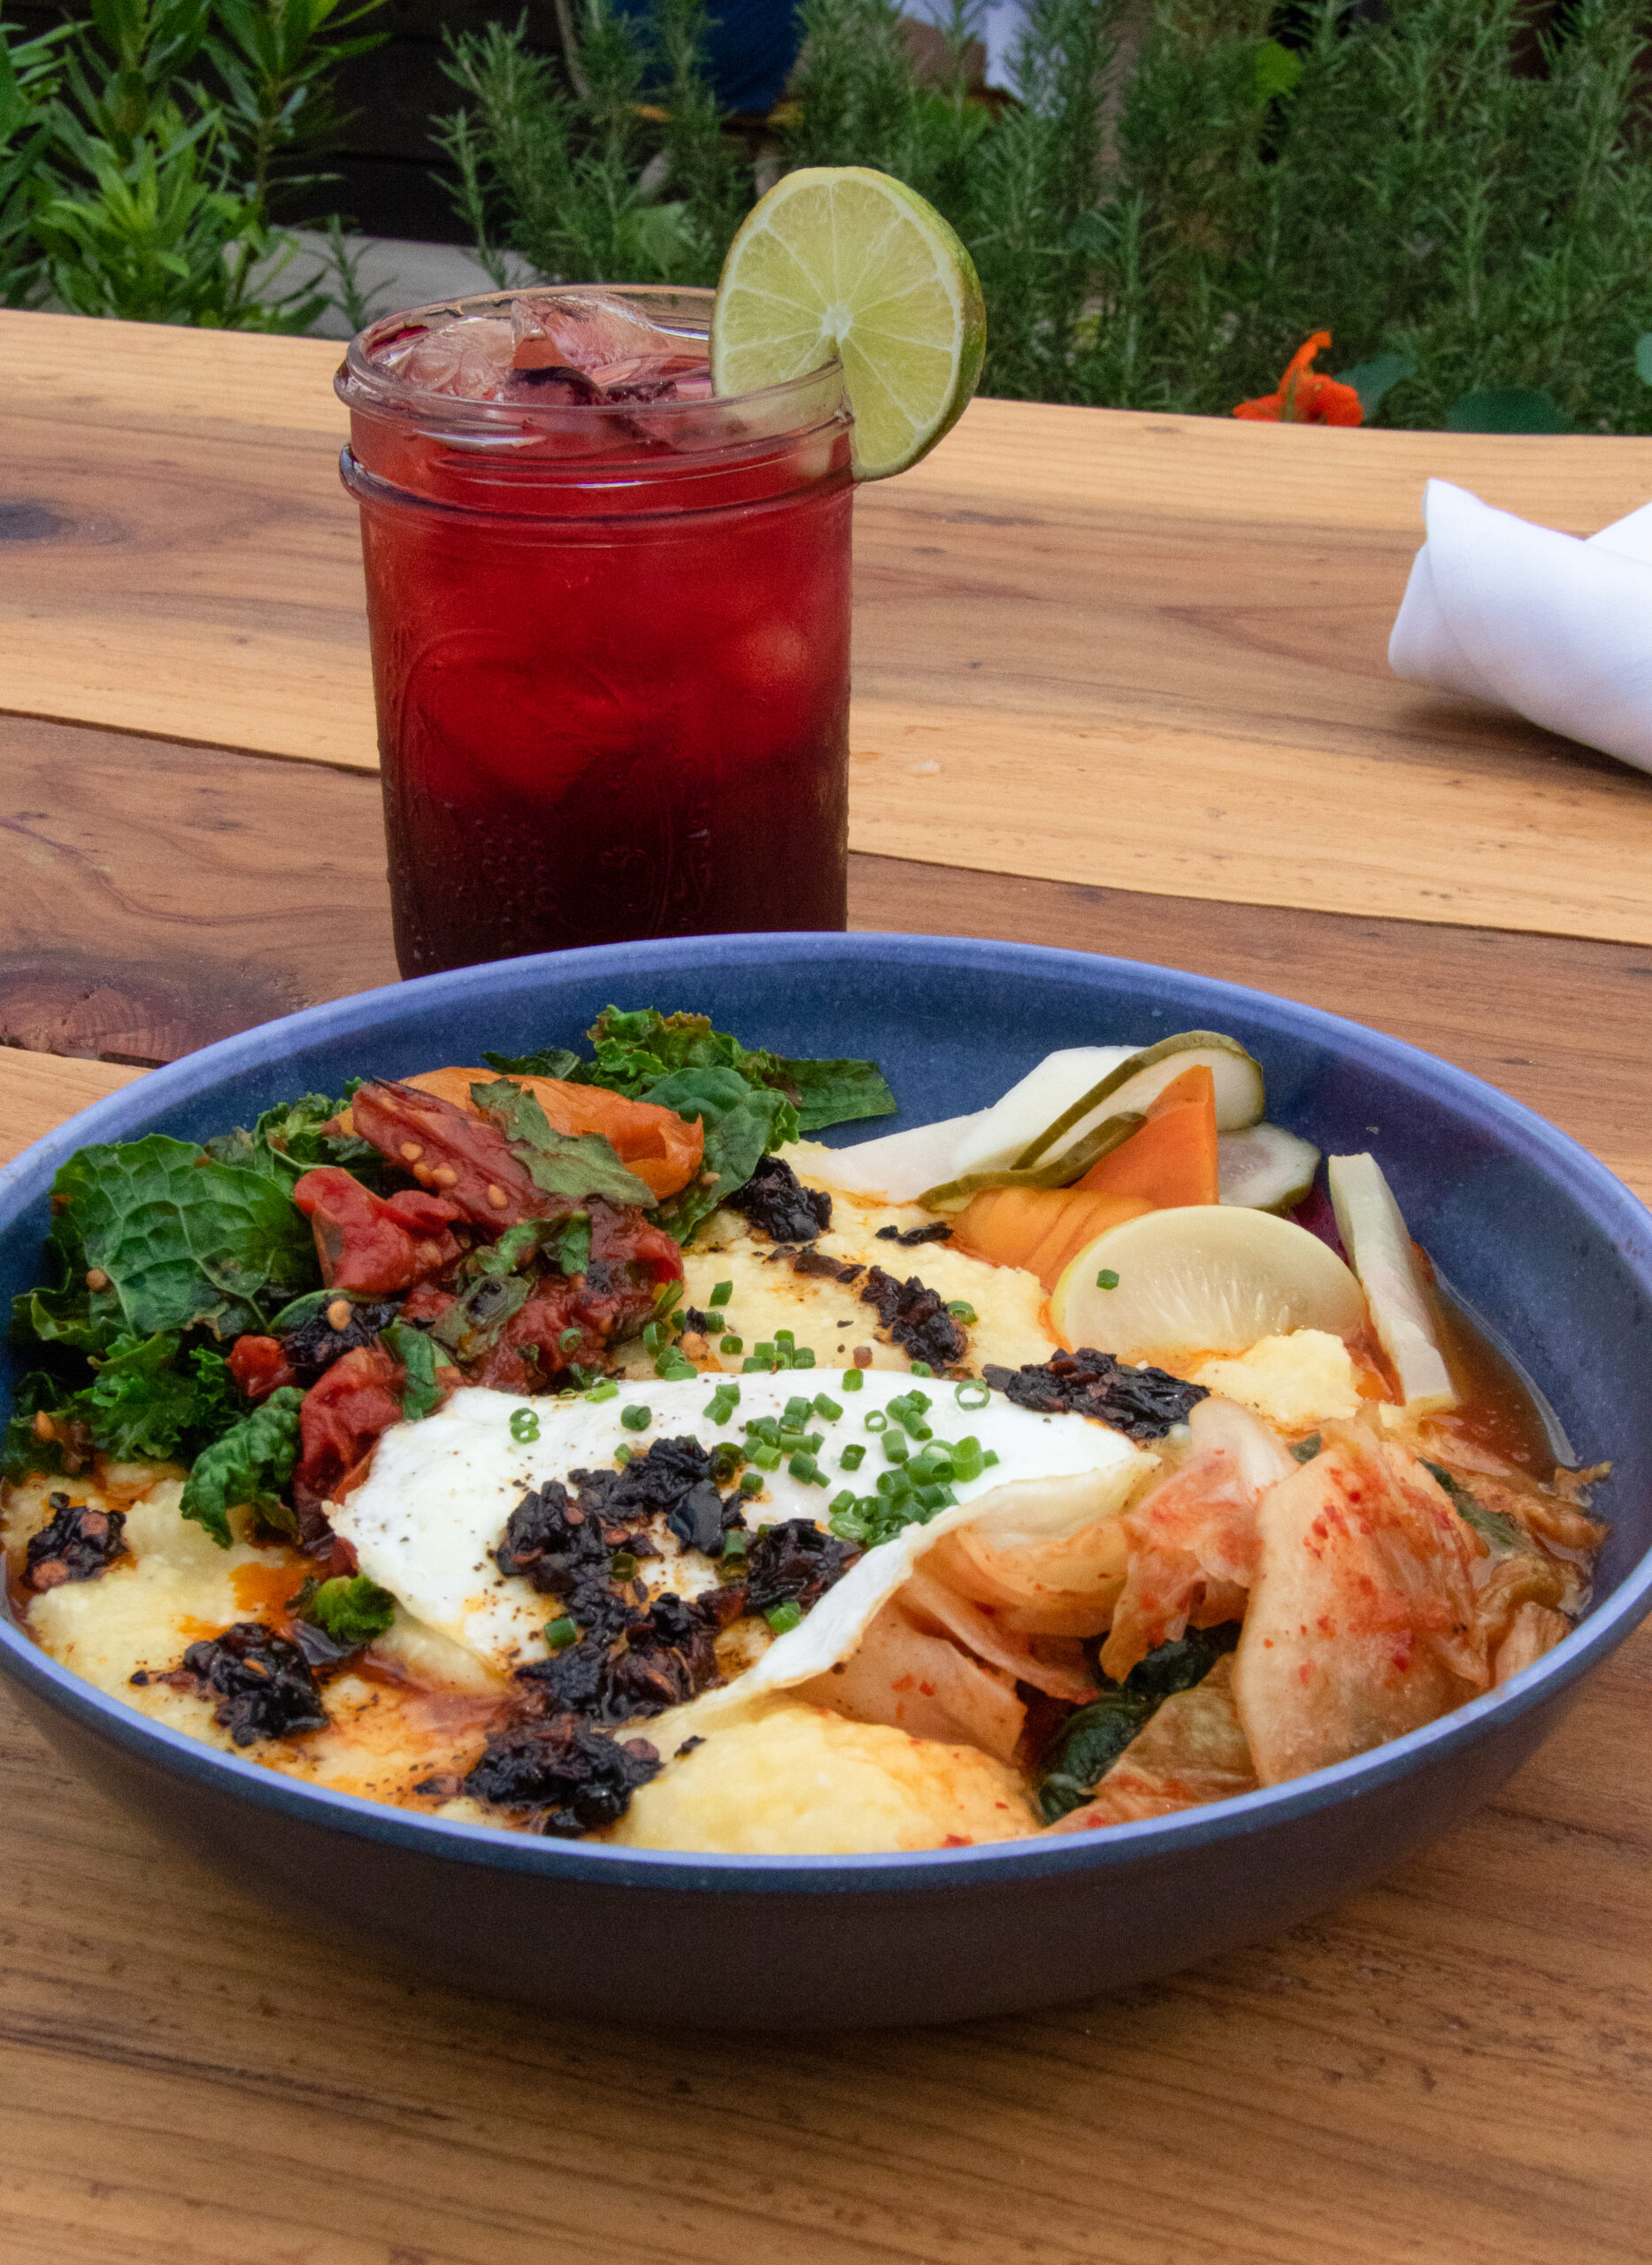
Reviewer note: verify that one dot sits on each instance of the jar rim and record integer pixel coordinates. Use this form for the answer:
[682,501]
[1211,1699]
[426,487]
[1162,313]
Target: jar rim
[361,382]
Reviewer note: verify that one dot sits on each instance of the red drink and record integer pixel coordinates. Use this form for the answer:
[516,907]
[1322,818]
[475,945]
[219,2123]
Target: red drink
[610,624]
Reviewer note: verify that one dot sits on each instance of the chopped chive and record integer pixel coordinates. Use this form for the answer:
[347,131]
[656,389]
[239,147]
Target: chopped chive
[622,1455]
[653,1336]
[895,1447]
[560,1634]
[734,1541]
[524,1427]
[922,1368]
[568,1337]
[852,1455]
[731,1345]
[722,1294]
[853,1380]
[766,1458]
[637,1417]
[971,1389]
[961,1309]
[751,1482]
[1107,1279]
[829,1408]
[622,1565]
[606,1389]
[802,1466]
[876,1420]
[990,1458]
[785,1617]
[839,1503]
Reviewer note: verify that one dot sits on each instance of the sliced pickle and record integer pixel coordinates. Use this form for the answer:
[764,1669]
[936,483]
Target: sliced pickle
[1241,1094]
[995,1140]
[1376,1239]
[1264,1168]
[1061,1171]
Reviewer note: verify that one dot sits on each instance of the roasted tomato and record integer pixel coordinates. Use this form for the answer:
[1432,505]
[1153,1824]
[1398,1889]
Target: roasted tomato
[369,1245]
[341,1419]
[460,1157]
[575,1320]
[259,1366]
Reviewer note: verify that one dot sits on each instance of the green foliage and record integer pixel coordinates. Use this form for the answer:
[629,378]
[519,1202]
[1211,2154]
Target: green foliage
[350,1608]
[574,182]
[142,150]
[1180,194]
[146,1402]
[250,1465]
[151,1235]
[560,1164]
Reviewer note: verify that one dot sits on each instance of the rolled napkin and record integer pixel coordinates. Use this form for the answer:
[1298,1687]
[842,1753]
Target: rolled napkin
[1556,628]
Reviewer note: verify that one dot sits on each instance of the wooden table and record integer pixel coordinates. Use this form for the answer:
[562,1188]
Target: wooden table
[1146,656]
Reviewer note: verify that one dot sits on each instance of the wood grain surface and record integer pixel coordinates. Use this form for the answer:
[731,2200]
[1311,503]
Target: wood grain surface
[1455,2068]
[1091,645]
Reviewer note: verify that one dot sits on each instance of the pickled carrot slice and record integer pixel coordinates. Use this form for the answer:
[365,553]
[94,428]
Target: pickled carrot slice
[1171,1159]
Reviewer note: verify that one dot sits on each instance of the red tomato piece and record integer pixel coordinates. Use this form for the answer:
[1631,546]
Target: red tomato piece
[369,1246]
[259,1366]
[462,1158]
[344,1412]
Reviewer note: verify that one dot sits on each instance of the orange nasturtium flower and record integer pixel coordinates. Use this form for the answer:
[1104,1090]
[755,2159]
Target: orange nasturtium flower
[1306,396]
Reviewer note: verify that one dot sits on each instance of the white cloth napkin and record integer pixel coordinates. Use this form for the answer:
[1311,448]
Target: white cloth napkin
[1558,629]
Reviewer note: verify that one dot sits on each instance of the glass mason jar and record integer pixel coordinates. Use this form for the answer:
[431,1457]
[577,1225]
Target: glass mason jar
[610,648]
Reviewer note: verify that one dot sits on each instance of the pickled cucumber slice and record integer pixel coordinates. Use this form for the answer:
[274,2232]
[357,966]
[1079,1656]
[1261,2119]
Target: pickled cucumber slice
[1061,1171]
[1003,1131]
[1240,1095]
[1376,1238]
[1204,1278]
[1264,1167]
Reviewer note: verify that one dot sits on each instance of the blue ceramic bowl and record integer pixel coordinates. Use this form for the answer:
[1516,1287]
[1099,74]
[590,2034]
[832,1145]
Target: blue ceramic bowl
[1541,1241]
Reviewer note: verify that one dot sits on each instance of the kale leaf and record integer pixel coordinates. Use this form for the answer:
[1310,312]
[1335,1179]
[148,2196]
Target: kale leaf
[250,1464]
[741,1124]
[562,1163]
[1092,1737]
[179,1241]
[351,1609]
[421,1394]
[145,1404]
[288,1141]
[835,1092]
[549,1061]
[635,1051]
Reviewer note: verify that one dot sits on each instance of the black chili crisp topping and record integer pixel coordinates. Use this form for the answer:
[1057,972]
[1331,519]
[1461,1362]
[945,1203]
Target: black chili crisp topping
[310,1348]
[575,1779]
[560,1546]
[774,1200]
[917,1319]
[816,1262]
[937,1230]
[1142,1403]
[794,1562]
[263,1683]
[77,1545]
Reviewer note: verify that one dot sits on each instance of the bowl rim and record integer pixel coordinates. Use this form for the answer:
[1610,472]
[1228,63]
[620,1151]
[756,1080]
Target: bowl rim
[120,1114]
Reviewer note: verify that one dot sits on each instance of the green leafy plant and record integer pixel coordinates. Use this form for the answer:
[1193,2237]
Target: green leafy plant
[1177,197]
[143,152]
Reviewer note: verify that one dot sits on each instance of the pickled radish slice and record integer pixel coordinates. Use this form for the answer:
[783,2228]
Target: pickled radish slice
[898,1166]
[1264,1167]
[1204,1279]
[1241,1094]
[1376,1238]
[1001,1132]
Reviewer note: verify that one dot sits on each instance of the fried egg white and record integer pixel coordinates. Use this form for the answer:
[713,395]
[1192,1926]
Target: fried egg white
[433,1508]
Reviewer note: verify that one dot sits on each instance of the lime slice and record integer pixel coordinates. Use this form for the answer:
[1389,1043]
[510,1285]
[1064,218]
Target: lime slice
[838,259]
